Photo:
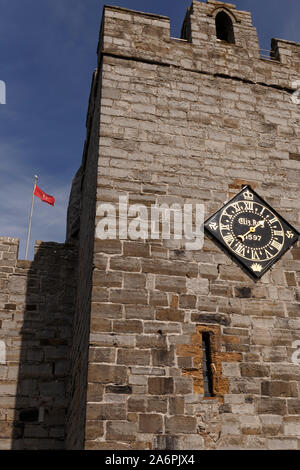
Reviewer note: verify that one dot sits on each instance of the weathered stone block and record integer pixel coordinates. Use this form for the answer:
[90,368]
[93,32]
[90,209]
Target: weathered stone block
[110,279]
[250,424]
[230,424]
[191,442]
[102,373]
[94,430]
[157,404]
[152,342]
[99,325]
[138,250]
[291,426]
[150,423]
[144,312]
[121,431]
[102,355]
[108,246]
[106,310]
[271,424]
[230,369]
[134,281]
[125,264]
[136,404]
[293,406]
[282,444]
[170,284]
[160,385]
[95,392]
[214,318]
[18,284]
[197,286]
[159,299]
[181,424]
[183,385]
[127,326]
[133,357]
[165,442]
[275,406]
[110,411]
[254,370]
[169,314]
[118,389]
[171,268]
[100,294]
[278,389]
[124,296]
[163,357]
[176,405]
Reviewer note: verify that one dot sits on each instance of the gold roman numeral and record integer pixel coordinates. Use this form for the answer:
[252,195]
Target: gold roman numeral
[224,214]
[248,205]
[273,221]
[254,255]
[229,239]
[276,245]
[278,233]
[236,206]
[268,254]
[240,249]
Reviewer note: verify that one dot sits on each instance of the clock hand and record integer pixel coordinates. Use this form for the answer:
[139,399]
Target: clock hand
[244,236]
[252,230]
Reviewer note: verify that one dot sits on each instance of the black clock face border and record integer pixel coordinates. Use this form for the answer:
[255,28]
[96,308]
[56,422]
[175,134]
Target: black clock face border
[251,232]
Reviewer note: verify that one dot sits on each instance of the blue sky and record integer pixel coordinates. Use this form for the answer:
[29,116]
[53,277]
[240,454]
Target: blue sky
[47,57]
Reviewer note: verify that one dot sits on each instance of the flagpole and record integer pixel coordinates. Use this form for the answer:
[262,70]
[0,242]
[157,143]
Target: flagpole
[30,218]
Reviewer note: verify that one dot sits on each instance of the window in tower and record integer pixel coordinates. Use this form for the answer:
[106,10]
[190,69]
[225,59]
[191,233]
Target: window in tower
[206,366]
[224,28]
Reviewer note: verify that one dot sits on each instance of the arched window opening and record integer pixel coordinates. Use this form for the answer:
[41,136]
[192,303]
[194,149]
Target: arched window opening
[224,27]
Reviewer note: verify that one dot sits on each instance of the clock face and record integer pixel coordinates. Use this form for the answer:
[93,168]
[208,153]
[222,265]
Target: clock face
[252,232]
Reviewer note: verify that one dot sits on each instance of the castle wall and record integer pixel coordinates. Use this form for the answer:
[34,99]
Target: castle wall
[83,197]
[36,316]
[193,122]
[101,341]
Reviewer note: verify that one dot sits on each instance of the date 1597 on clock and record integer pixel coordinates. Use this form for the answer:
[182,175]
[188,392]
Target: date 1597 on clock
[251,232]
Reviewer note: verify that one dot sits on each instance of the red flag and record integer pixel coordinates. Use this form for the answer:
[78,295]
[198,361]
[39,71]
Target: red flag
[43,196]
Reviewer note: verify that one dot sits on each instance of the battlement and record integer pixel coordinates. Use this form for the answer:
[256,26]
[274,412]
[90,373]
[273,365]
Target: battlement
[216,38]
[36,315]
[9,250]
[134,344]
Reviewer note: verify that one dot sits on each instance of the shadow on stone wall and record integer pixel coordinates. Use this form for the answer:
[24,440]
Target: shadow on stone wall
[44,343]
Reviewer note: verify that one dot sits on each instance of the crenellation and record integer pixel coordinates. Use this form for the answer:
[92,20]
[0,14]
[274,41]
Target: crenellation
[28,376]
[144,344]
[199,31]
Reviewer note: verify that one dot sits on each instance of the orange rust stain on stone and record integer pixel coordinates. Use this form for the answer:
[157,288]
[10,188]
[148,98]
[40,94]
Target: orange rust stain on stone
[240,183]
[231,339]
[174,303]
[194,350]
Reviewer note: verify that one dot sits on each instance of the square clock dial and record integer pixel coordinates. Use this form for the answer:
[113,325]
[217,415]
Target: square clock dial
[251,232]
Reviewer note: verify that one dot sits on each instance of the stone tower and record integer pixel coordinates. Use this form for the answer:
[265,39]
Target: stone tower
[172,348]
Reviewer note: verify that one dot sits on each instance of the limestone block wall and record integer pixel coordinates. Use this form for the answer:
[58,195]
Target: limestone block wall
[192,122]
[36,316]
[102,341]
[201,17]
[147,37]
[82,210]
